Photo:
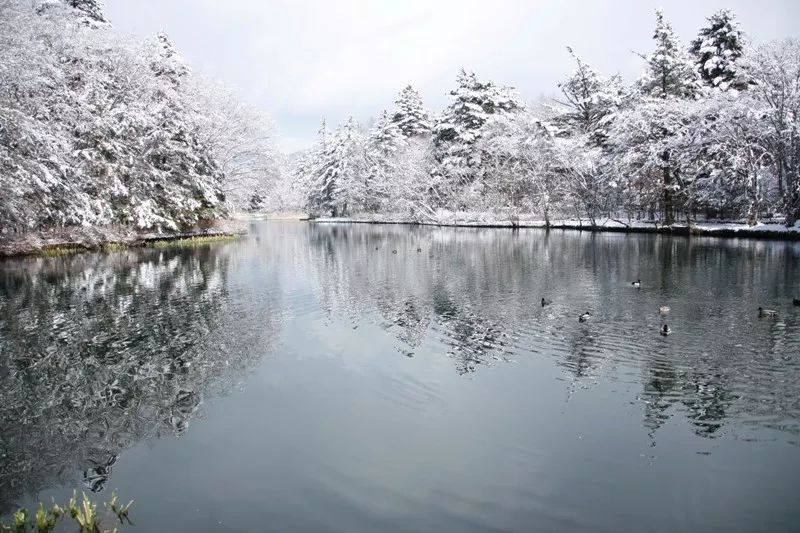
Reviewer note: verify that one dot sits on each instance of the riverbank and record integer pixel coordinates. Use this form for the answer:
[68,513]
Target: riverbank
[81,239]
[773,230]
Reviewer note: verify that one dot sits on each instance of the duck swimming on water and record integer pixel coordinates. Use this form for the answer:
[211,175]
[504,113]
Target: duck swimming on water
[584,317]
[546,302]
[663,310]
[796,302]
[767,312]
[665,330]
[637,283]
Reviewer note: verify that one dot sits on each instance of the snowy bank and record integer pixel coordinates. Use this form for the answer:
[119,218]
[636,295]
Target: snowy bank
[714,229]
[79,239]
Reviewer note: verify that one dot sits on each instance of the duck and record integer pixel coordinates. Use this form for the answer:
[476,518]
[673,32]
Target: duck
[546,302]
[665,330]
[767,312]
[419,250]
[663,310]
[585,316]
[394,251]
[796,302]
[637,283]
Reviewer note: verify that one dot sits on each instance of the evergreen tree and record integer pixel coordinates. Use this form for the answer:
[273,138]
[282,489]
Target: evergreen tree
[168,63]
[311,173]
[386,142]
[338,181]
[91,9]
[591,99]
[717,49]
[669,73]
[411,116]
[348,169]
[387,136]
[460,128]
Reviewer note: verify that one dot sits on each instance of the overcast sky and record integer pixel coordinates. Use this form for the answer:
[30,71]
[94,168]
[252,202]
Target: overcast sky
[302,60]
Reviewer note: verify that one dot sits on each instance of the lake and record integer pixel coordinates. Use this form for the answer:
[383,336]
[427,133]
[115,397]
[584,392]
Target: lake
[322,377]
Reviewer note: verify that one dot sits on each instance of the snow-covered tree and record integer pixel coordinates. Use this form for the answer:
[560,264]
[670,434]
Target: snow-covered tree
[644,139]
[336,171]
[669,72]
[91,11]
[717,50]
[168,63]
[460,127]
[240,138]
[584,176]
[387,136]
[774,69]
[725,144]
[384,147]
[591,100]
[309,172]
[411,116]
[653,121]
[522,169]
[98,129]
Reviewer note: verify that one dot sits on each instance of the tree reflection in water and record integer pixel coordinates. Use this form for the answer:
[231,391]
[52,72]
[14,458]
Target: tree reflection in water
[99,351]
[478,291]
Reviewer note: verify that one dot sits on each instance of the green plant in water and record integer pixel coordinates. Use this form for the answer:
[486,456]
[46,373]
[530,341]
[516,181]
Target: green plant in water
[193,241]
[21,520]
[83,512]
[121,511]
[46,519]
[58,251]
[114,247]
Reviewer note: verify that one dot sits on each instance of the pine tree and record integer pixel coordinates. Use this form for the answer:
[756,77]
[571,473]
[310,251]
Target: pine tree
[386,141]
[338,178]
[591,99]
[460,127]
[717,49]
[311,173]
[386,137]
[168,63]
[669,73]
[352,185]
[411,116]
[91,9]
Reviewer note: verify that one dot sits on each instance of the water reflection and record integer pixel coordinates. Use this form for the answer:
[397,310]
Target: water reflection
[478,293]
[100,351]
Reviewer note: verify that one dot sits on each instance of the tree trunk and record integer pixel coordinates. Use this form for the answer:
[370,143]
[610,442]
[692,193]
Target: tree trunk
[668,200]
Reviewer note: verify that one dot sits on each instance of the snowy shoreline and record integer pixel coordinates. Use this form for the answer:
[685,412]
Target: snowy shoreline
[708,229]
[87,239]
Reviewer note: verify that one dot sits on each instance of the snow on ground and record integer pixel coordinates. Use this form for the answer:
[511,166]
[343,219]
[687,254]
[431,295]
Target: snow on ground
[488,220]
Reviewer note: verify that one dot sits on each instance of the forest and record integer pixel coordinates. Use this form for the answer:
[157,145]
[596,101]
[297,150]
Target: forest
[708,131]
[99,129]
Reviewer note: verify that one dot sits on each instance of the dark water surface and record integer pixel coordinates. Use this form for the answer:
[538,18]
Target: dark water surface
[309,379]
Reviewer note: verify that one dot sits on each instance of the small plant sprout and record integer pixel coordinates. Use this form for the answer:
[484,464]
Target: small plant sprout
[120,511]
[84,514]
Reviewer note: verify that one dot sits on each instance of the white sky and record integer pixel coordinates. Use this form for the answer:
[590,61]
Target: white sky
[303,60]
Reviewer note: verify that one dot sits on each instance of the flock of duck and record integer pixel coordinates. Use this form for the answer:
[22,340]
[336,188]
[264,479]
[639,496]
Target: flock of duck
[664,310]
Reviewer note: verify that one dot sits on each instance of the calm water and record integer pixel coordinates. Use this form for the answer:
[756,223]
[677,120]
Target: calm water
[310,379]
